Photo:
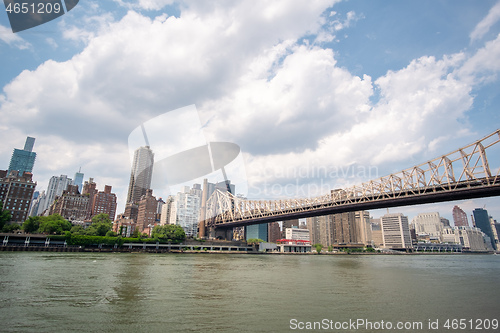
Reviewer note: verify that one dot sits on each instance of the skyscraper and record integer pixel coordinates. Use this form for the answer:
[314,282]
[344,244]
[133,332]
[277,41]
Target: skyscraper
[459,217]
[313,224]
[396,231]
[482,221]
[141,174]
[23,160]
[55,188]
[185,209]
[363,228]
[146,216]
[79,180]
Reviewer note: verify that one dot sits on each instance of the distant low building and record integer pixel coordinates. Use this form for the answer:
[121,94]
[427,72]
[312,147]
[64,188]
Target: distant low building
[124,226]
[293,246]
[471,239]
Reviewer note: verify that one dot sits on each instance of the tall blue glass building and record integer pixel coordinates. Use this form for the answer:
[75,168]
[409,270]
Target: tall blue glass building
[79,180]
[482,221]
[23,159]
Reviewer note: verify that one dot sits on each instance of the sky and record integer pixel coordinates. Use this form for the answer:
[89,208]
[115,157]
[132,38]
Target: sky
[317,94]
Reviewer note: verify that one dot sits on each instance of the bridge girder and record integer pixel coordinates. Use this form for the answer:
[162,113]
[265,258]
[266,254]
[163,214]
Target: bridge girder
[462,174]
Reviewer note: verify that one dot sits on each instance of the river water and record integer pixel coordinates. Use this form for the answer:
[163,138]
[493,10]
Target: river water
[138,292]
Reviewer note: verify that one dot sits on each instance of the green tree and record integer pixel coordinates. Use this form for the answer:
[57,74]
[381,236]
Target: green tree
[318,247]
[53,224]
[169,232]
[100,226]
[10,227]
[135,234]
[330,248]
[31,224]
[254,241]
[5,216]
[77,230]
[111,234]
[101,218]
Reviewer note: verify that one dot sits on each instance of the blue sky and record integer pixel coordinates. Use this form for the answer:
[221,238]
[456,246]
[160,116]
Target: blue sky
[372,85]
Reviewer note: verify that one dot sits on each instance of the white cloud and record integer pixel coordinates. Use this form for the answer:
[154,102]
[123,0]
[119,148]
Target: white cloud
[10,38]
[137,68]
[289,106]
[484,26]
[483,66]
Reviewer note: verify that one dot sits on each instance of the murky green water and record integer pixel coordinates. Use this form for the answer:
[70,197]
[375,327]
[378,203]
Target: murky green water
[83,292]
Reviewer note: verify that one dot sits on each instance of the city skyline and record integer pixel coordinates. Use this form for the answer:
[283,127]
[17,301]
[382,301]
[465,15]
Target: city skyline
[297,95]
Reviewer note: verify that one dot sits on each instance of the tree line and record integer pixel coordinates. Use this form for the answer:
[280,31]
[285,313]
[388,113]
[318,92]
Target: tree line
[100,230]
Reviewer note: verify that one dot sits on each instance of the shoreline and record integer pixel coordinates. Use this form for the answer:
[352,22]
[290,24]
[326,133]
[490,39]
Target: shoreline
[73,249]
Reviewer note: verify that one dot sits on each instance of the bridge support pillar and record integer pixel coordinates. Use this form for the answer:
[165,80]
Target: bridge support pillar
[202,230]
[220,233]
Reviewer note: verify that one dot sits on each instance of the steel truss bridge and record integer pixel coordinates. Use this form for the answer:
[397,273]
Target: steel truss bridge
[462,174]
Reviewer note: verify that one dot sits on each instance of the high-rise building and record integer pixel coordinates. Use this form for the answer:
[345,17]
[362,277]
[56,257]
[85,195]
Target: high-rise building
[396,231]
[185,210]
[288,224]
[79,180]
[273,232]
[225,186]
[141,174]
[497,228]
[38,199]
[326,230]
[55,188]
[104,202]
[23,160]
[494,230]
[71,205]
[131,211]
[16,193]
[482,221]
[166,210]
[313,225]
[378,239]
[429,224]
[90,189]
[445,222]
[146,216]
[363,228]
[459,217]
[344,229]
[206,192]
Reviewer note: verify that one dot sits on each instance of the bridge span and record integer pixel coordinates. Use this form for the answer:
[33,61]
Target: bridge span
[462,174]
